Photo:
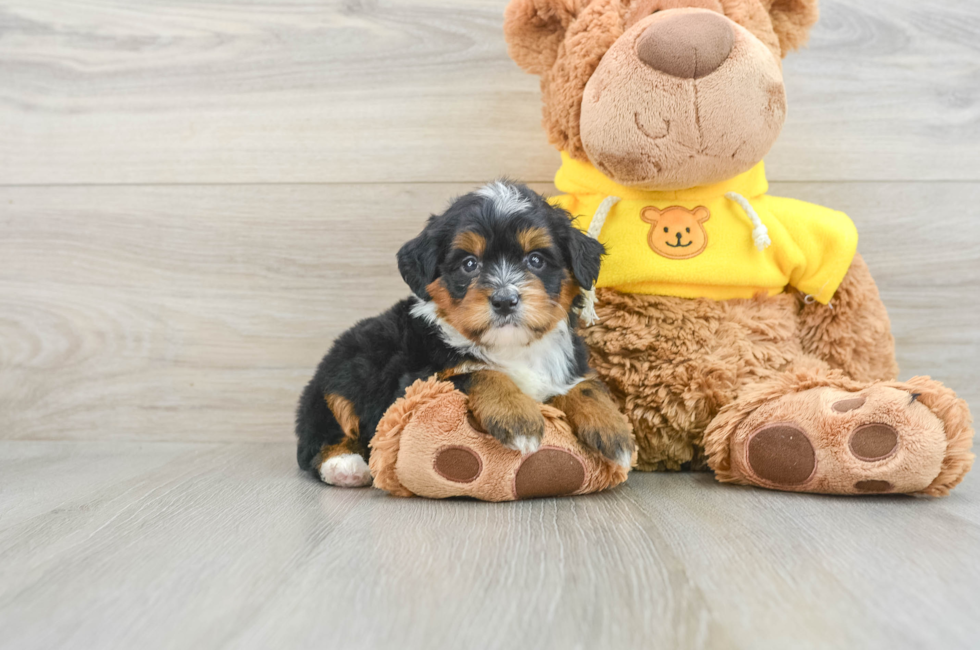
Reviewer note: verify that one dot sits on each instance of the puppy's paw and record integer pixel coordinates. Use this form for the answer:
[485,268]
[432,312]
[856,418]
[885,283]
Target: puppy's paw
[520,427]
[346,470]
[613,441]
[526,444]
[502,410]
[599,424]
[596,421]
[517,424]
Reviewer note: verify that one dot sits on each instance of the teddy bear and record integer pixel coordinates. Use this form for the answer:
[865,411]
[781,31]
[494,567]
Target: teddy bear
[741,332]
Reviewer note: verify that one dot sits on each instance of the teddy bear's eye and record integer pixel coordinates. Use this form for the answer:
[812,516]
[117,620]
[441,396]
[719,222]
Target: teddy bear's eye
[688,229]
[666,229]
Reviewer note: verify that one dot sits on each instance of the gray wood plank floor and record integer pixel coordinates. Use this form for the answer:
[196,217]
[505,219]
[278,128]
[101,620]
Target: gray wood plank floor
[197,196]
[179,545]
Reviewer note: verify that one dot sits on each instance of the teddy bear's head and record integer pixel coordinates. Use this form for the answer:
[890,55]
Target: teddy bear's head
[660,94]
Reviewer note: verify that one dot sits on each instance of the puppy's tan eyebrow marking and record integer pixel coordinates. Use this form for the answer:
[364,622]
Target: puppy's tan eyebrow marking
[470,242]
[534,238]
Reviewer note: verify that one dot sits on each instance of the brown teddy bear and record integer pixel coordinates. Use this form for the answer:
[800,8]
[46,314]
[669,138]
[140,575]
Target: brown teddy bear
[740,331]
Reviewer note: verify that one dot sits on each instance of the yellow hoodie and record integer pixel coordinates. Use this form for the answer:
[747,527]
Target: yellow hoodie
[702,242]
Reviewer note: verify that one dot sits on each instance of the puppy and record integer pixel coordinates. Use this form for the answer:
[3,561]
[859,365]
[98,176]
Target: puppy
[497,281]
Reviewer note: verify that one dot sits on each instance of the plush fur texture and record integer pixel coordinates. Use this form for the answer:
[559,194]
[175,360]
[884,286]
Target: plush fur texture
[497,280]
[855,336]
[431,420]
[780,391]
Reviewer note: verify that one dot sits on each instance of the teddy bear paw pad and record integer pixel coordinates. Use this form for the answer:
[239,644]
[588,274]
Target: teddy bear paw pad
[781,454]
[873,442]
[549,472]
[849,404]
[873,487]
[458,464]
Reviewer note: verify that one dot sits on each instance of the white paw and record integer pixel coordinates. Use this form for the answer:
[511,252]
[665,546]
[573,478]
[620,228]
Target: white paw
[347,470]
[525,444]
[624,459]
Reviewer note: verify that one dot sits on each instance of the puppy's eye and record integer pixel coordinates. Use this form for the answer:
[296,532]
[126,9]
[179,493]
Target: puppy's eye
[535,261]
[470,265]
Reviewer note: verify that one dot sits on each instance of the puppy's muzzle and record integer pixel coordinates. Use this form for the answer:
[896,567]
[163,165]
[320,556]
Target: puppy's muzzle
[505,301]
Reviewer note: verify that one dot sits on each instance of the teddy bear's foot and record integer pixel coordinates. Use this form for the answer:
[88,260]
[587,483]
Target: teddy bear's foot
[428,444]
[547,472]
[844,438]
[878,440]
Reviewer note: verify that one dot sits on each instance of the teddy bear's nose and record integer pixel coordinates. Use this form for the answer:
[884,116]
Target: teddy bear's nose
[688,45]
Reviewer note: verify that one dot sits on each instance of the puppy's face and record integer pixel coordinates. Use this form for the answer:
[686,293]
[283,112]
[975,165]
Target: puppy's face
[501,266]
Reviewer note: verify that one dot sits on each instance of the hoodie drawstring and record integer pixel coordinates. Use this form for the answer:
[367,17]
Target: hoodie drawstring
[588,313]
[760,234]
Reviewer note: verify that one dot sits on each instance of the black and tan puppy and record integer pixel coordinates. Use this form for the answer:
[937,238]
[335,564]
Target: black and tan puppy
[497,282]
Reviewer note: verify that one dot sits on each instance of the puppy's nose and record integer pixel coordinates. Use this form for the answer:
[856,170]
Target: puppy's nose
[505,301]
[688,45]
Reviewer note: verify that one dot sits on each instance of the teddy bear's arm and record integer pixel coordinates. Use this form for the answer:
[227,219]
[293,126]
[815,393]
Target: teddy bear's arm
[853,333]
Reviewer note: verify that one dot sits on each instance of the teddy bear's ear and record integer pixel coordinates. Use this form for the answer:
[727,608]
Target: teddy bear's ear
[792,20]
[702,214]
[534,29]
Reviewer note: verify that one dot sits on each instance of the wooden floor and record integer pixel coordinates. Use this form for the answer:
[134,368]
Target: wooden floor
[197,196]
[224,545]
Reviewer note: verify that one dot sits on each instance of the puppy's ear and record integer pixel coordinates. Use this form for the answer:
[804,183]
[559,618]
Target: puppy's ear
[584,258]
[534,30]
[418,261]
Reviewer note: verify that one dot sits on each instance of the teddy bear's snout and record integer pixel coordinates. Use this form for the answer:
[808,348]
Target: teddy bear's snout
[689,45]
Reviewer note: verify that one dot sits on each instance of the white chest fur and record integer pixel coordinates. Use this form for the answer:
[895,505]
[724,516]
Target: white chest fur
[541,369]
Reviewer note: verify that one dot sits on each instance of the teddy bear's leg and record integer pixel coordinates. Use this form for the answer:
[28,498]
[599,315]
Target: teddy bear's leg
[672,363]
[815,430]
[430,444]
[853,333]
